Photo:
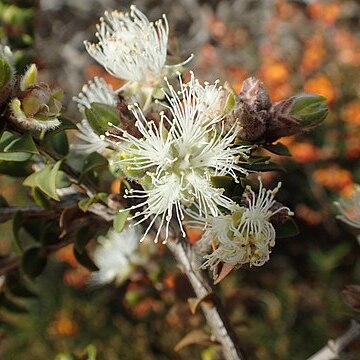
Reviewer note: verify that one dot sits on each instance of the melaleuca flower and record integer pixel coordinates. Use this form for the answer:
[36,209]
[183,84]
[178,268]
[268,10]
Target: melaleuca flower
[350,209]
[37,107]
[175,159]
[246,235]
[130,47]
[96,91]
[116,256]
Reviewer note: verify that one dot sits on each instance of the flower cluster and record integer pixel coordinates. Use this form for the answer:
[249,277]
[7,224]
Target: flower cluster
[176,158]
[247,234]
[176,143]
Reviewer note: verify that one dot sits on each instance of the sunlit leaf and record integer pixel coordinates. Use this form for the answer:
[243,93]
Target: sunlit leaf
[120,220]
[45,180]
[84,204]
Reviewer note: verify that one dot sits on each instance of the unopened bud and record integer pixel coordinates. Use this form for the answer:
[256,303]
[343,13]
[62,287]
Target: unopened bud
[29,78]
[254,95]
[295,115]
[119,167]
[251,125]
[6,73]
[37,108]
[250,111]
[100,115]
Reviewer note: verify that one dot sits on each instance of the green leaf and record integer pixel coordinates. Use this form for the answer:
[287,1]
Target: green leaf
[224,182]
[100,115]
[66,124]
[17,286]
[82,239]
[288,229]
[40,198]
[278,149]
[23,144]
[255,159]
[13,148]
[270,166]
[311,109]
[120,220]
[45,180]
[33,262]
[11,306]
[58,142]
[86,203]
[3,202]
[84,259]
[16,156]
[92,162]
[17,224]
[16,169]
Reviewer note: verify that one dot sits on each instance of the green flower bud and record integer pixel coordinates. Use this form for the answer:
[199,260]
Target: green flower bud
[119,167]
[29,78]
[37,108]
[310,109]
[6,73]
[295,115]
[100,115]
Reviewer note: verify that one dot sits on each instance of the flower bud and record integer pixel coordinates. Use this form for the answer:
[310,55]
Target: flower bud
[250,111]
[252,125]
[37,108]
[120,167]
[295,115]
[29,78]
[6,73]
[100,115]
[253,94]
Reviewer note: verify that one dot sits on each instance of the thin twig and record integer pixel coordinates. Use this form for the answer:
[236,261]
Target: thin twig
[334,348]
[214,314]
[36,212]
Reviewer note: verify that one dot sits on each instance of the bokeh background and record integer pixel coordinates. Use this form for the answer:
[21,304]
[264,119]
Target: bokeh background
[286,309]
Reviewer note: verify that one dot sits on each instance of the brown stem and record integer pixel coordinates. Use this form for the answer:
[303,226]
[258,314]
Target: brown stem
[36,212]
[334,348]
[215,314]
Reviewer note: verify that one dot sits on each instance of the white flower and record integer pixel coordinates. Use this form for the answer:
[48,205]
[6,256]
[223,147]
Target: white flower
[95,91]
[116,255]
[130,47]
[350,209]
[246,236]
[179,157]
